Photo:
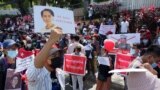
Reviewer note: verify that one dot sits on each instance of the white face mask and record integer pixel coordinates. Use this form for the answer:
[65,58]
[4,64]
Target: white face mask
[29,45]
[145,41]
[41,44]
[2,55]
[89,41]
[133,51]
[159,41]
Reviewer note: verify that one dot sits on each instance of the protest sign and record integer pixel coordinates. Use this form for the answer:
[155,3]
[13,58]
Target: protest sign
[129,38]
[103,61]
[47,18]
[117,50]
[13,80]
[107,28]
[74,64]
[127,70]
[24,59]
[123,61]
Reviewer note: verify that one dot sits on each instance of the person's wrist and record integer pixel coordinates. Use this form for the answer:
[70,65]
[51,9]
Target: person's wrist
[51,40]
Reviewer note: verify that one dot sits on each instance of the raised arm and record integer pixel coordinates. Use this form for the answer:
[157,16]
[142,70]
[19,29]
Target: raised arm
[43,55]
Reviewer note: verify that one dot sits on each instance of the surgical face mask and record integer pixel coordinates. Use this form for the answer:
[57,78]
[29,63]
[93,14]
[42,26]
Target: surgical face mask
[133,51]
[29,45]
[145,41]
[154,65]
[41,44]
[12,53]
[89,41]
[159,40]
[1,55]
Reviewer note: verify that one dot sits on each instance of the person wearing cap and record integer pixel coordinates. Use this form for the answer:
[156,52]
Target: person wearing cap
[8,56]
[38,74]
[145,80]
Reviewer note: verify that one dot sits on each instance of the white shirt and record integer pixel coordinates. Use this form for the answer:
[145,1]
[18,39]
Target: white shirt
[124,26]
[38,79]
[72,46]
[88,47]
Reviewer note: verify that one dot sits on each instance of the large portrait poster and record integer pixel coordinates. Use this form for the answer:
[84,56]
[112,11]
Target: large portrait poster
[13,80]
[47,18]
[125,38]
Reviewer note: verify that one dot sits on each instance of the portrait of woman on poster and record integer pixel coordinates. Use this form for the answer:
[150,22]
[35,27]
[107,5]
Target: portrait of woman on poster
[14,83]
[47,16]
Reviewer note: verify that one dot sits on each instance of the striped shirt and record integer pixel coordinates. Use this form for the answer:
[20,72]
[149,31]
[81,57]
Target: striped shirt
[38,79]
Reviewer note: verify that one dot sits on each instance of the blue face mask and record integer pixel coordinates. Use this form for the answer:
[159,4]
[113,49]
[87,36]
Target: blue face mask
[154,65]
[12,53]
[132,51]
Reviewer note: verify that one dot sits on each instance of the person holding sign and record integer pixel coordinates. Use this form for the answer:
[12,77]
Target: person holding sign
[104,78]
[47,16]
[7,60]
[77,51]
[38,74]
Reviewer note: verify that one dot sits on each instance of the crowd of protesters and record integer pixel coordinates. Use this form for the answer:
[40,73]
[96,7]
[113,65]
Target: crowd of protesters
[18,32]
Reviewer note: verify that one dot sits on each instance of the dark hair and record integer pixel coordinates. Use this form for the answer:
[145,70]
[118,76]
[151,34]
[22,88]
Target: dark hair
[78,48]
[153,50]
[76,38]
[48,10]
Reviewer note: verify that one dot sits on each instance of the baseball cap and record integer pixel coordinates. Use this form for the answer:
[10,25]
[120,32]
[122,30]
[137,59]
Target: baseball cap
[8,43]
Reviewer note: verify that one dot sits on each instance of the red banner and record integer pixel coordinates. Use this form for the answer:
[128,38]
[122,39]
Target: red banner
[123,61]
[74,64]
[116,50]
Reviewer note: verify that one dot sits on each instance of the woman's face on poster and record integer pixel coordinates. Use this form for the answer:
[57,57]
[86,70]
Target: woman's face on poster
[47,17]
[15,81]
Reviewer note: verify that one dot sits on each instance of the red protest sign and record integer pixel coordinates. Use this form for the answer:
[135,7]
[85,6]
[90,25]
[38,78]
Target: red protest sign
[123,61]
[117,50]
[74,64]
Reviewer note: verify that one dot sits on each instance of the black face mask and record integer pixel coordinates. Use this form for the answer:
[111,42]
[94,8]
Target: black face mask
[57,62]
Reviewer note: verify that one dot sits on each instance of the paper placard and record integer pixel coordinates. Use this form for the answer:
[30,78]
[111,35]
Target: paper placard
[127,70]
[107,28]
[104,61]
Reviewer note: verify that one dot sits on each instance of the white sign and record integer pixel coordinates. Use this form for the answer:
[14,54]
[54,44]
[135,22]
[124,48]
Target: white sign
[47,18]
[127,70]
[104,61]
[130,38]
[23,63]
[107,28]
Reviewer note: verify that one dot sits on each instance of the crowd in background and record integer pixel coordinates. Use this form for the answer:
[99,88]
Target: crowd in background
[21,30]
